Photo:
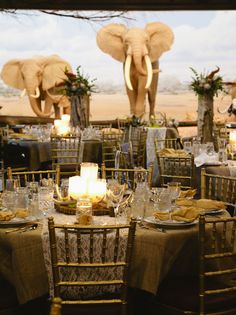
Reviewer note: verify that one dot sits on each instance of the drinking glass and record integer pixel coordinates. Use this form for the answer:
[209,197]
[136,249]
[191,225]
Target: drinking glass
[8,200]
[45,197]
[210,148]
[84,211]
[12,184]
[115,193]
[173,189]
[188,147]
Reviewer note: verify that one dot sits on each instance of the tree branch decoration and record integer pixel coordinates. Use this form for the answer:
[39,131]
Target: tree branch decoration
[207,83]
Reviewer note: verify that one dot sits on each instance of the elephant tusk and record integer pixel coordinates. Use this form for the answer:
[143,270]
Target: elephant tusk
[149,71]
[23,93]
[222,112]
[127,72]
[37,94]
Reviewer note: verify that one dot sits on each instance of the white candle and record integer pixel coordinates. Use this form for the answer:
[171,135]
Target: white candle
[89,171]
[57,123]
[65,118]
[232,137]
[77,187]
[97,189]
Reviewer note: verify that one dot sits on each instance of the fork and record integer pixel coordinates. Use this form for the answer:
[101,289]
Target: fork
[144,226]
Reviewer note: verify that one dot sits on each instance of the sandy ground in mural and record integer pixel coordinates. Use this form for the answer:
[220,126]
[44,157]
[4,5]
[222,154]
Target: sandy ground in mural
[179,106]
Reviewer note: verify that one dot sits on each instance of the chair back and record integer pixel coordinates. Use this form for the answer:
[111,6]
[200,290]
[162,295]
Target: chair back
[129,176]
[33,176]
[170,143]
[55,308]
[217,265]
[66,153]
[91,261]
[218,187]
[137,140]
[101,126]
[2,176]
[177,169]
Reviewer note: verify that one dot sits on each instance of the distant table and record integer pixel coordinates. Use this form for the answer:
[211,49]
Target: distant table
[29,153]
[160,133]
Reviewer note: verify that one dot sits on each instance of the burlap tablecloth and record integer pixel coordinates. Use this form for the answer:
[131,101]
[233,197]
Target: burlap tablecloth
[155,254]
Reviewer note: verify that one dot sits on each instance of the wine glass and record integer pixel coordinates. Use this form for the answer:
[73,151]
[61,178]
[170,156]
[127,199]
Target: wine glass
[115,193]
[174,192]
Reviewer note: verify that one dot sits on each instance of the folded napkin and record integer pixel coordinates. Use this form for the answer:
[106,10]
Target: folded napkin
[21,136]
[205,158]
[188,193]
[190,210]
[173,153]
[210,204]
[184,214]
[184,202]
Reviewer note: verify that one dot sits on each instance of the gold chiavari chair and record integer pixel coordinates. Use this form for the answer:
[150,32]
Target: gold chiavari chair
[55,308]
[218,187]
[137,140]
[129,176]
[101,126]
[171,143]
[2,176]
[100,266]
[66,153]
[110,145]
[177,169]
[213,291]
[34,176]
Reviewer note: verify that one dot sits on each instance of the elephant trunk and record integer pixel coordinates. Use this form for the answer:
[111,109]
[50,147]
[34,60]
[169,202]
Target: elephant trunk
[137,54]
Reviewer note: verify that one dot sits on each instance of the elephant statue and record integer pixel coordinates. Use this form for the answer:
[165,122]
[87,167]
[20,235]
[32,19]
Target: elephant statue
[39,77]
[139,50]
[231,109]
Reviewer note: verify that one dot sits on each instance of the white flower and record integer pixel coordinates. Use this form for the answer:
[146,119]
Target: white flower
[202,82]
[207,86]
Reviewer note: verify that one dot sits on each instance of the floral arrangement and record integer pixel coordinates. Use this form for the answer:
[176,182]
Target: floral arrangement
[135,121]
[78,84]
[207,83]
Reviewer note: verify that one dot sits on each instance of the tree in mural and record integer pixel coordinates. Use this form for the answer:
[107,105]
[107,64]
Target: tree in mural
[206,86]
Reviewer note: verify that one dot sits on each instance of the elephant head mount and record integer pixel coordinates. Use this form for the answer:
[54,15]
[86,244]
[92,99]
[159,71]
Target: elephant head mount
[231,109]
[139,50]
[38,77]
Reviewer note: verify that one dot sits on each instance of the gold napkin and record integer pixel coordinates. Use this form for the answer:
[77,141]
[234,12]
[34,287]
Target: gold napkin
[186,214]
[173,153]
[210,204]
[184,202]
[188,193]
[21,136]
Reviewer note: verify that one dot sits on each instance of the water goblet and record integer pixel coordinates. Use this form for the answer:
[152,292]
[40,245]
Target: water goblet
[45,198]
[188,147]
[115,193]
[174,192]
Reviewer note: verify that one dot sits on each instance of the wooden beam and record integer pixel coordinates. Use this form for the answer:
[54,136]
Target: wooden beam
[119,4]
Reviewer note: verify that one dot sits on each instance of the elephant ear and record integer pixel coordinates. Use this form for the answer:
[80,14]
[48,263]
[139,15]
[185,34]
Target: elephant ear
[110,40]
[11,74]
[54,73]
[161,39]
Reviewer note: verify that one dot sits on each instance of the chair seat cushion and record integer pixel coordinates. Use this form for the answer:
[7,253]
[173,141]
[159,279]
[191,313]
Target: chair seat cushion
[183,293]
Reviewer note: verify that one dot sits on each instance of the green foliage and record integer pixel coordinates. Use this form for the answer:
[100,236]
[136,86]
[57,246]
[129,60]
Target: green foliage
[207,83]
[78,84]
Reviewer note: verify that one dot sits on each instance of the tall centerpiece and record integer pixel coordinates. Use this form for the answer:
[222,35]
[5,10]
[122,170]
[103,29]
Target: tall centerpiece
[206,86]
[79,88]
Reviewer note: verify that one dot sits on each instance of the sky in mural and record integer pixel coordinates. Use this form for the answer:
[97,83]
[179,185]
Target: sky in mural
[203,40]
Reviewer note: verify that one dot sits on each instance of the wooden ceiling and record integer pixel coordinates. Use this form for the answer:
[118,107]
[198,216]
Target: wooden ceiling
[120,4]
